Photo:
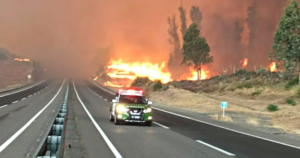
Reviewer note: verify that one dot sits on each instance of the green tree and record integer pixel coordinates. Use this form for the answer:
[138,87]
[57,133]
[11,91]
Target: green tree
[196,17]
[183,20]
[195,50]
[286,46]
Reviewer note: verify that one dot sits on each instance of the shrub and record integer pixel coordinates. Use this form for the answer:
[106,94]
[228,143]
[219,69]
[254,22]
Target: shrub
[140,81]
[165,87]
[157,85]
[258,92]
[221,77]
[272,107]
[298,93]
[291,83]
[241,72]
[260,71]
[290,101]
[245,85]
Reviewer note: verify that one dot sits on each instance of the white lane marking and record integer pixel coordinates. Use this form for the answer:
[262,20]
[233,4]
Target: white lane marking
[29,95]
[101,97]
[23,99]
[293,146]
[15,101]
[226,128]
[13,137]
[21,89]
[103,88]
[216,148]
[163,126]
[105,99]
[3,106]
[108,142]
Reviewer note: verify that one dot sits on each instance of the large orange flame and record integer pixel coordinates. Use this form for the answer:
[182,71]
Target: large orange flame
[95,78]
[119,69]
[17,59]
[111,84]
[244,62]
[204,74]
[273,67]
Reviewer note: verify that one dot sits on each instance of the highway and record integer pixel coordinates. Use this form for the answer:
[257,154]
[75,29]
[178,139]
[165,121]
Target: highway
[24,121]
[174,133]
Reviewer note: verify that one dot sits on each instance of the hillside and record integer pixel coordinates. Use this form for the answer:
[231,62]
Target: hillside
[248,95]
[14,71]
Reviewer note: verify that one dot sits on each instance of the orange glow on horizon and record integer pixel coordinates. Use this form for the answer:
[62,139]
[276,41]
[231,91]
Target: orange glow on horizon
[26,60]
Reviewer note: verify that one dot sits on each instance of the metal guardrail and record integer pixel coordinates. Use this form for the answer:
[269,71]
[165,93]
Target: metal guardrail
[53,145]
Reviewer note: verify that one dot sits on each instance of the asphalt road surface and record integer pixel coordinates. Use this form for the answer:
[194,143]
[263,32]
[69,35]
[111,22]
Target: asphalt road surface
[23,122]
[172,134]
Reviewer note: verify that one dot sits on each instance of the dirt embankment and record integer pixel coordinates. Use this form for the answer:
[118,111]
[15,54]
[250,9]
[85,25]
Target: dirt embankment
[13,74]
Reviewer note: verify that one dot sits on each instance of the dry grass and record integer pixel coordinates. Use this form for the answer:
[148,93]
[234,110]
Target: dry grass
[240,101]
[252,121]
[218,117]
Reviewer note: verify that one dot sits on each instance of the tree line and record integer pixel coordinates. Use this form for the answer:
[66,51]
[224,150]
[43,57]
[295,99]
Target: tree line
[194,51]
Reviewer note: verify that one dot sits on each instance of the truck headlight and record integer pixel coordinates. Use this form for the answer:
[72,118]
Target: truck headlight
[148,110]
[121,109]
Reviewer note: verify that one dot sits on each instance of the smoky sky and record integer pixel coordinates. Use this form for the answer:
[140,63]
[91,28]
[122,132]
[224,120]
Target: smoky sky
[66,36]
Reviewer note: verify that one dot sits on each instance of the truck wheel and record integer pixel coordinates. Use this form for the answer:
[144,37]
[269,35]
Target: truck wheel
[148,123]
[111,118]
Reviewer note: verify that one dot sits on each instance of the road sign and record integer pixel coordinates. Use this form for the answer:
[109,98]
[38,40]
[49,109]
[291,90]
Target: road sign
[223,106]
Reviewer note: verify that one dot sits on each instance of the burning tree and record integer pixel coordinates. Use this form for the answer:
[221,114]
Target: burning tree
[286,47]
[195,50]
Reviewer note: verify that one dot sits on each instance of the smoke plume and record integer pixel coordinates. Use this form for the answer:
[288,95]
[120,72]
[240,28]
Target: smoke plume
[69,37]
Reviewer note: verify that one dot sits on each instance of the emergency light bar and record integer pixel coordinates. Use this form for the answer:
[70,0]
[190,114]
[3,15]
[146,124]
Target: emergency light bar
[131,92]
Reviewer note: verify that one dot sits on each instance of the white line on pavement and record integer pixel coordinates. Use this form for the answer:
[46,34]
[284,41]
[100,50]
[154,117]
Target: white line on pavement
[3,106]
[216,148]
[108,142]
[29,95]
[23,99]
[21,90]
[15,101]
[12,138]
[163,126]
[226,128]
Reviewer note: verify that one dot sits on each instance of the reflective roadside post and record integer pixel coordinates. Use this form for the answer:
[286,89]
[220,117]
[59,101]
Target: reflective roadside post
[29,77]
[223,106]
